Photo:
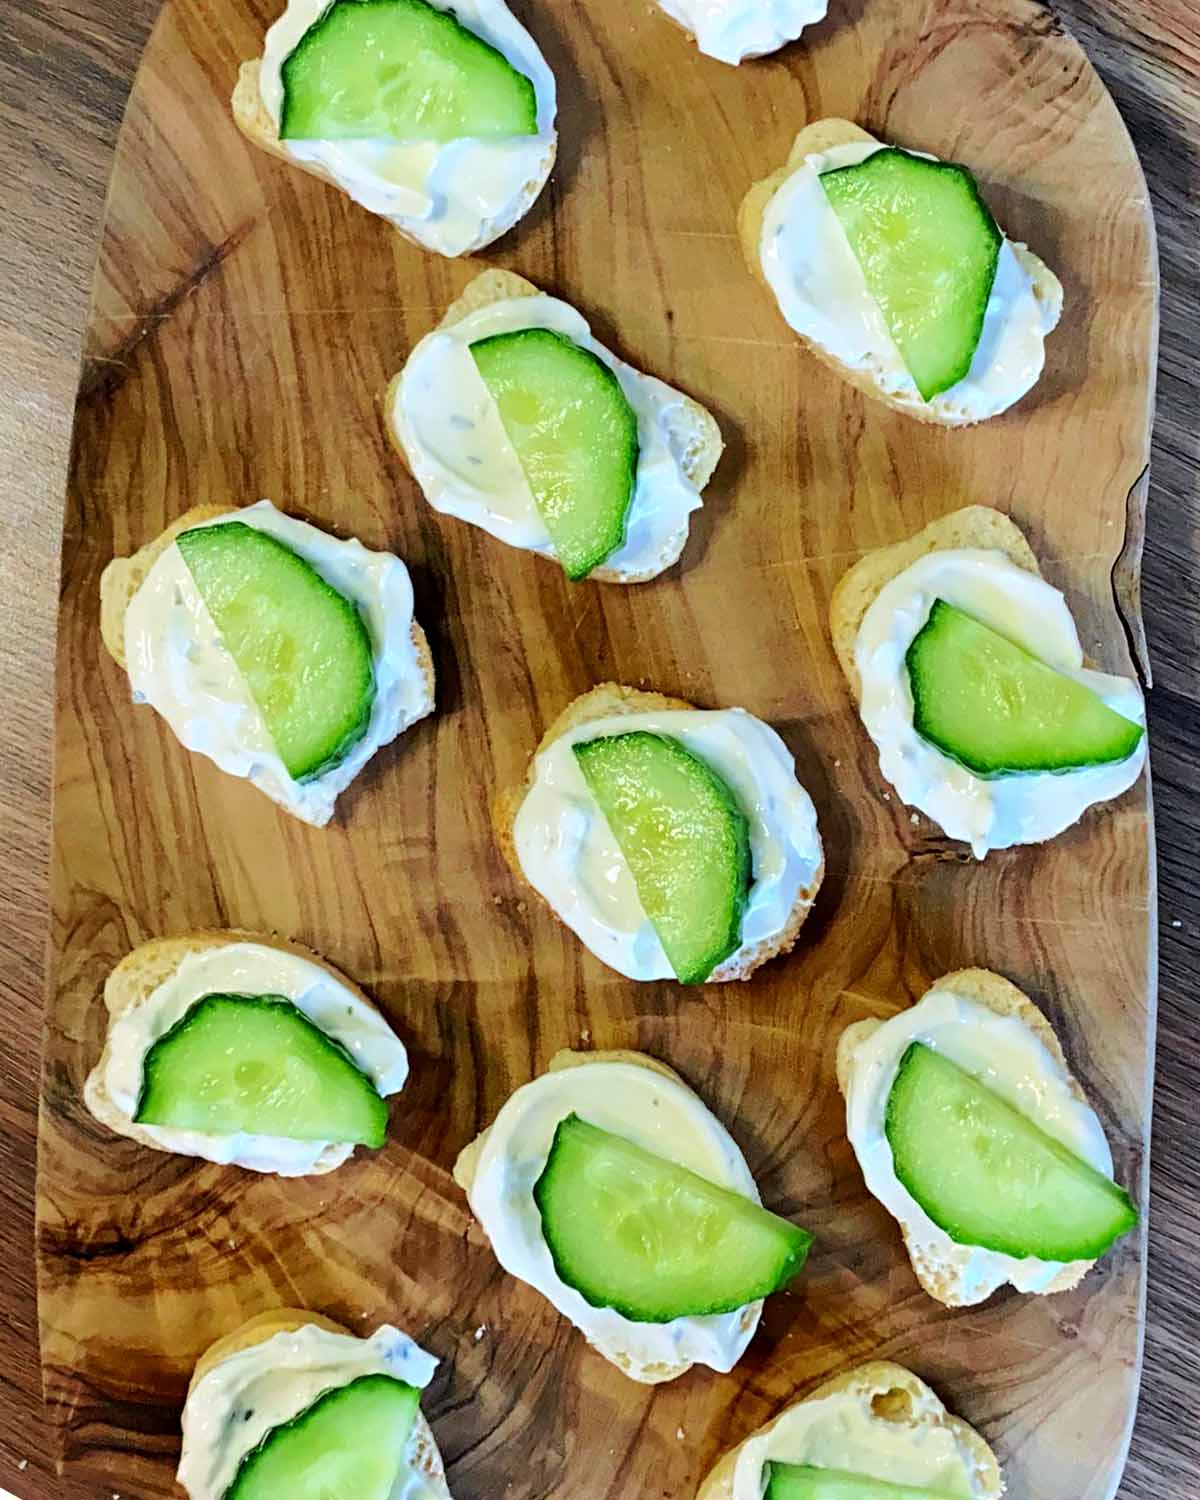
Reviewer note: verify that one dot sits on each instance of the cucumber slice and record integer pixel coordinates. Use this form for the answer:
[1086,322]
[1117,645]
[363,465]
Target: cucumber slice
[685,839]
[989,1176]
[300,645]
[575,436]
[996,709]
[807,1482]
[928,248]
[350,1444]
[653,1240]
[400,70]
[255,1064]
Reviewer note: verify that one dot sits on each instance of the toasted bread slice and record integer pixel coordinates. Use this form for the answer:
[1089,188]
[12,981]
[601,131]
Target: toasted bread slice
[696,438]
[136,978]
[123,577]
[975,526]
[467,1165]
[943,1276]
[426,1458]
[603,702]
[892,1395]
[253,119]
[822,136]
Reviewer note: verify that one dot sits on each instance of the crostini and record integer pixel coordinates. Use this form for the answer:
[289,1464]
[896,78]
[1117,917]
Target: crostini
[876,1432]
[246,1050]
[293,1404]
[511,416]
[437,117]
[889,265]
[971,1131]
[287,656]
[608,1186]
[675,842]
[970,678]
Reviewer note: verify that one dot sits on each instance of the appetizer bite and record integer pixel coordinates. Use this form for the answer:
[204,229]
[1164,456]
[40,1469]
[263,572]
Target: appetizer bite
[244,1050]
[674,841]
[971,1131]
[283,654]
[608,1186]
[733,30]
[293,1405]
[437,117]
[970,679]
[510,415]
[891,268]
[876,1432]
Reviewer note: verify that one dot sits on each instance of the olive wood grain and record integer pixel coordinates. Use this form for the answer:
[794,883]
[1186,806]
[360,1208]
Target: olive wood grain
[244,319]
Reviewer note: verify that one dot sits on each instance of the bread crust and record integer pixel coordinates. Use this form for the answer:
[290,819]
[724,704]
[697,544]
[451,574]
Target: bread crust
[467,1164]
[257,1330]
[605,701]
[974,526]
[252,118]
[821,136]
[903,1397]
[701,438]
[945,1282]
[136,978]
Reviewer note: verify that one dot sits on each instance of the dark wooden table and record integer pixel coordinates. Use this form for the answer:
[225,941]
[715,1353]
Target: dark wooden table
[65,69]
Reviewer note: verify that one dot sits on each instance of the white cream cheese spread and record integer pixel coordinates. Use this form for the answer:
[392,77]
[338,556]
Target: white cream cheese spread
[464,462]
[822,292]
[732,30]
[569,855]
[844,1431]
[451,197]
[178,663]
[1008,1058]
[248,968]
[994,812]
[236,1404]
[655,1112]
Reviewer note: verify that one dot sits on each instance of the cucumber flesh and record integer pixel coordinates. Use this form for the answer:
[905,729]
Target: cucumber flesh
[988,1176]
[300,646]
[575,436]
[652,1240]
[400,70]
[248,1064]
[685,839]
[807,1482]
[350,1444]
[997,710]
[928,248]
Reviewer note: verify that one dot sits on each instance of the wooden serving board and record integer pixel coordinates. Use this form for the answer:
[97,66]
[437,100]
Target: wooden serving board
[245,321]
